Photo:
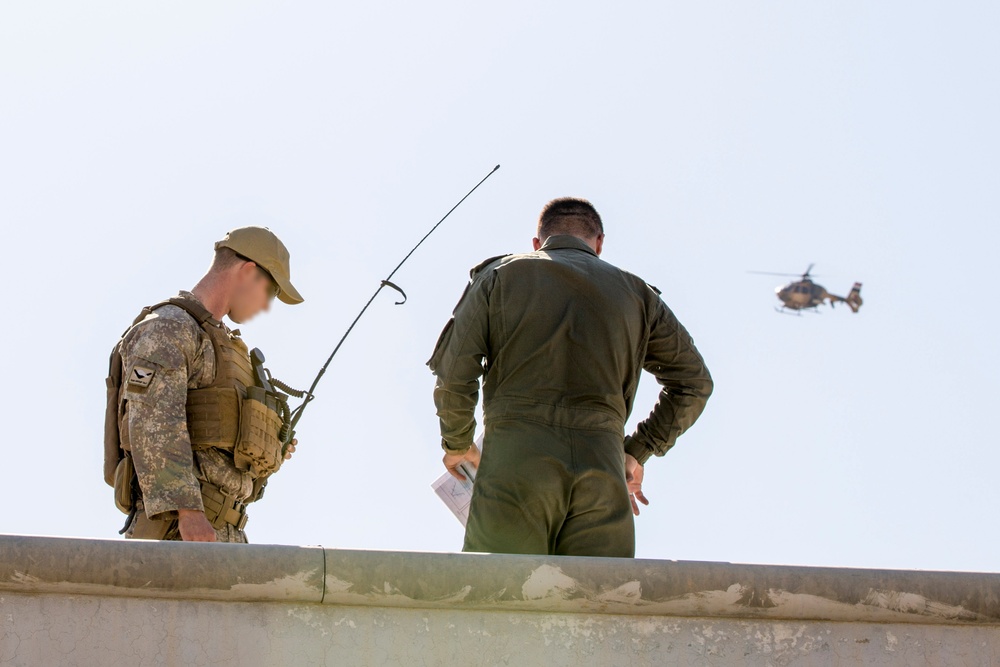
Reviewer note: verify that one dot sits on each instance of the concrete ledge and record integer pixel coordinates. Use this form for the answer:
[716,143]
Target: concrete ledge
[658,588]
[178,570]
[46,565]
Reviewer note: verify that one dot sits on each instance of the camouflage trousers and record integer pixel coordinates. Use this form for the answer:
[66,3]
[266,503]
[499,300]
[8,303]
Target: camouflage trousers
[142,528]
[544,489]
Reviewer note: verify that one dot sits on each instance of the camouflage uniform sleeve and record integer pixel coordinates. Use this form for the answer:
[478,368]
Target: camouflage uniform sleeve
[159,356]
[458,364]
[686,385]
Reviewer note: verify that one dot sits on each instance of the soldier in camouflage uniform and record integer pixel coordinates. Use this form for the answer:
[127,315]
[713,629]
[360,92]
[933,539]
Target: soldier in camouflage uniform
[167,358]
[561,337]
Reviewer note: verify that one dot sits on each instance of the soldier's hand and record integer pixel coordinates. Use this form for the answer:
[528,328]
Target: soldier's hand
[451,461]
[633,478]
[194,526]
[291,448]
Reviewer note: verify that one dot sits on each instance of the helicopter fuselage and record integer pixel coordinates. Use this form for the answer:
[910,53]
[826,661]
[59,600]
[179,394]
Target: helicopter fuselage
[802,294]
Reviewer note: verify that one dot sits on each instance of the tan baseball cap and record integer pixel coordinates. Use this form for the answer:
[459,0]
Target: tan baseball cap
[260,245]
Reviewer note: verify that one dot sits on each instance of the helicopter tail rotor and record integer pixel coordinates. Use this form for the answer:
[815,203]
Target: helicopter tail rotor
[853,299]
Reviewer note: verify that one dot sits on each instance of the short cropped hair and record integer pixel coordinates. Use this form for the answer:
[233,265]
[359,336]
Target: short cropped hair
[569,215]
[225,258]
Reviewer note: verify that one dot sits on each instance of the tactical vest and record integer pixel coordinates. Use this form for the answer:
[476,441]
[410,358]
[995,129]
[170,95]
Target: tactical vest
[231,414]
[213,412]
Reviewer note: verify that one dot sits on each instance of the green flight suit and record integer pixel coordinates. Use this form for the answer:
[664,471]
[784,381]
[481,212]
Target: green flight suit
[561,337]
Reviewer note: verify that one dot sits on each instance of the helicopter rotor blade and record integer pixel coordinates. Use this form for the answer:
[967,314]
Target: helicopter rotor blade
[772,273]
[807,274]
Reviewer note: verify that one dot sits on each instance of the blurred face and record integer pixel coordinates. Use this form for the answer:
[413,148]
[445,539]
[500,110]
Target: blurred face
[253,292]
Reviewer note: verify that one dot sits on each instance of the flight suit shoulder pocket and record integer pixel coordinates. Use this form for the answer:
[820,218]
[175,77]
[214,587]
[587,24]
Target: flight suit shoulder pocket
[439,347]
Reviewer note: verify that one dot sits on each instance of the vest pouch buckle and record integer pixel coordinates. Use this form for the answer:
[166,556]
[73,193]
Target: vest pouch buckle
[259,447]
[223,508]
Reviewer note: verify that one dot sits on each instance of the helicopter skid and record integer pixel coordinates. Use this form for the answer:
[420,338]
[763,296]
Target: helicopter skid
[796,312]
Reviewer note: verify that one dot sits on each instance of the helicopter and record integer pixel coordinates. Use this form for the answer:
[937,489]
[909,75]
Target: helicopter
[804,294]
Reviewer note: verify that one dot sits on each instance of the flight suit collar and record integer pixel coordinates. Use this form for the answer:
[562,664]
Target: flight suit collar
[562,241]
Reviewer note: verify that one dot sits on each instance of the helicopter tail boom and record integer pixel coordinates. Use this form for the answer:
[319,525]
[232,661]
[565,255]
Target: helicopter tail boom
[853,299]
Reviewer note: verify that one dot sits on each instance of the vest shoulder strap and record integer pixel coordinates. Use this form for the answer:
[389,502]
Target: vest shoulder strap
[199,312]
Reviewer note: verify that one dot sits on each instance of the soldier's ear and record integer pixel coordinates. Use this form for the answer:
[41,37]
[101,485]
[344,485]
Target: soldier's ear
[536,243]
[247,269]
[600,244]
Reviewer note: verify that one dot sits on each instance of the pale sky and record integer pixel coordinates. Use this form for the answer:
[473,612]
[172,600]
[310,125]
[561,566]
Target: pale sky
[714,137]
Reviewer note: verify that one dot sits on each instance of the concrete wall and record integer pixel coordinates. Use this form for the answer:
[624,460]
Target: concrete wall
[95,602]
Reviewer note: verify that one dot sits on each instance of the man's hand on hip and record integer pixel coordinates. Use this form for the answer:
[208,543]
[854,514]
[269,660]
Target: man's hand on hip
[633,478]
[451,461]
[194,526]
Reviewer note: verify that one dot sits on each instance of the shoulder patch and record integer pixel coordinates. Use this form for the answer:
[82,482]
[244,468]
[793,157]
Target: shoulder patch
[141,375]
[482,265]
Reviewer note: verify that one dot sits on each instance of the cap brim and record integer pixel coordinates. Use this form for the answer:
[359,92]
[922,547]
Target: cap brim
[288,293]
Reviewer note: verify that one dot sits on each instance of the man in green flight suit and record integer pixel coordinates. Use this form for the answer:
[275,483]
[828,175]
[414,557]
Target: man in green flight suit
[561,337]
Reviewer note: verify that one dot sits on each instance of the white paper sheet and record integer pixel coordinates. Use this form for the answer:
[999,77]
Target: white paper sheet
[456,494]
